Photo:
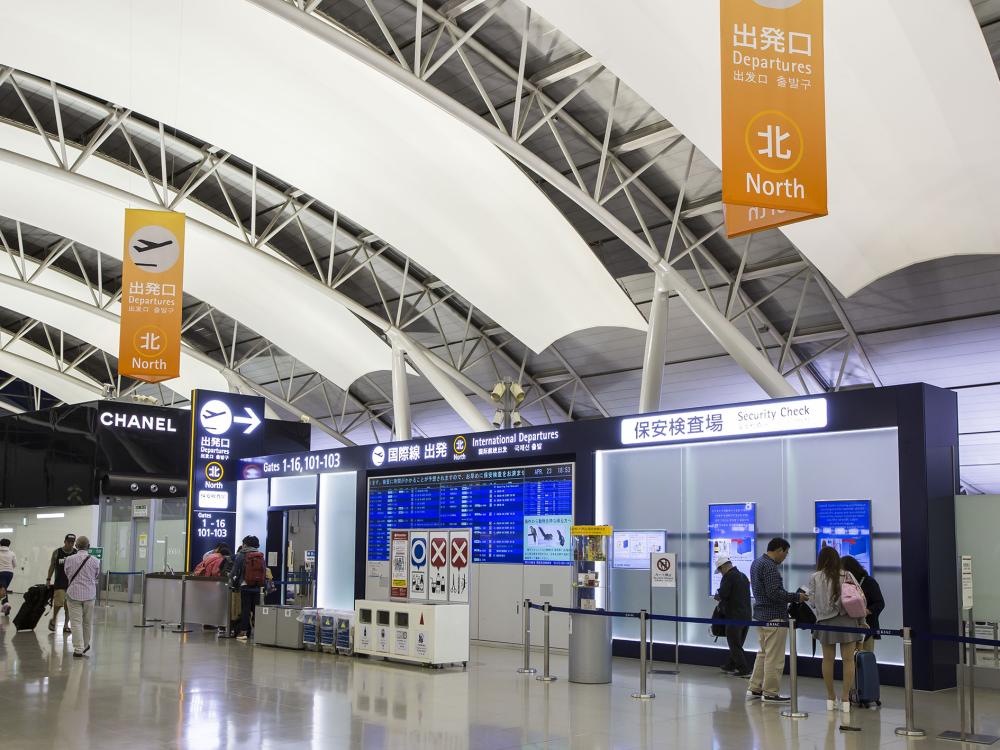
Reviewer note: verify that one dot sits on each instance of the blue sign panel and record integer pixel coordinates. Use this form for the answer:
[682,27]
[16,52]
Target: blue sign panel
[226,427]
[846,525]
[732,533]
[517,514]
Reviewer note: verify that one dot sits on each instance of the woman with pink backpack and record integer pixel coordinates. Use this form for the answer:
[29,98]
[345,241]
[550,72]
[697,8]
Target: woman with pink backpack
[835,596]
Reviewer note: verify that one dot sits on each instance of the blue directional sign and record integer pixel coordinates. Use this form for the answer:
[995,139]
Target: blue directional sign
[227,426]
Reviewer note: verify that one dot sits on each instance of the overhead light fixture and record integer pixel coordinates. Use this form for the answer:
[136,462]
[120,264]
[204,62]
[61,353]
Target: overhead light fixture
[498,390]
[7,530]
[517,392]
[50,515]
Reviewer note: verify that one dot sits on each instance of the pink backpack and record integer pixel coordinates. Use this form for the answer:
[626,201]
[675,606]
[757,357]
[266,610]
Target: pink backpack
[852,598]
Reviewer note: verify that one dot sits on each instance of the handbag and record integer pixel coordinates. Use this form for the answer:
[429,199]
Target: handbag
[718,629]
[852,598]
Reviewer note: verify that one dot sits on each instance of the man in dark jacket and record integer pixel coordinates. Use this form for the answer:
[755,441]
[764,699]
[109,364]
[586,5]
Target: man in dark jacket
[734,599]
[248,584]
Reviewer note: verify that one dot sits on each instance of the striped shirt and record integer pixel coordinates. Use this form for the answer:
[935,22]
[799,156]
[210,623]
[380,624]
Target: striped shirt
[770,598]
[82,584]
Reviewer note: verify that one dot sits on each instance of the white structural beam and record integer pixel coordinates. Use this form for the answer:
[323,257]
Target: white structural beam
[70,389]
[940,116]
[745,353]
[391,160]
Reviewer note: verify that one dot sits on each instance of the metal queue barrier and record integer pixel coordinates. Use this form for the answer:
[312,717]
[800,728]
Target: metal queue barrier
[909,730]
[181,599]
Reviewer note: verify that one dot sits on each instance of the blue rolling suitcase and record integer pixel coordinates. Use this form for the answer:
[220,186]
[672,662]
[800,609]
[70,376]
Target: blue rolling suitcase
[866,682]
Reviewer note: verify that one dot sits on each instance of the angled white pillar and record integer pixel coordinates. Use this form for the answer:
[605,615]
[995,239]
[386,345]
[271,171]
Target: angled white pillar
[401,426]
[656,344]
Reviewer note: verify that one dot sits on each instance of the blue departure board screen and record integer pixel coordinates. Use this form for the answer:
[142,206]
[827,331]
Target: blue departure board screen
[517,514]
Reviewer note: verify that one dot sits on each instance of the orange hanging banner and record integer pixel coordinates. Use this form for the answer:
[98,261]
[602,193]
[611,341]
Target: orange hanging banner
[149,347]
[773,113]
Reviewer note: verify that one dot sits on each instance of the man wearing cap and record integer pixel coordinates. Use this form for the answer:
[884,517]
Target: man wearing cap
[734,599]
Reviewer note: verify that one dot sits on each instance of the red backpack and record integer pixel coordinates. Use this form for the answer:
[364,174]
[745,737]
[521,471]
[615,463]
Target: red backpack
[254,569]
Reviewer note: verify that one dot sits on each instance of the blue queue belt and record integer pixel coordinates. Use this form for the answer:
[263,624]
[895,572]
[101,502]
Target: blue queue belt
[897,633]
[124,572]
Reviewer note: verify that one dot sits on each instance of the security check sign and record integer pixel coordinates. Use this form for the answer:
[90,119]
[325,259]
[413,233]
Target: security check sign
[730,421]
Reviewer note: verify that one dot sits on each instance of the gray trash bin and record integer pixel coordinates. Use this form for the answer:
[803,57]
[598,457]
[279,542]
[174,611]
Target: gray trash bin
[288,633]
[265,625]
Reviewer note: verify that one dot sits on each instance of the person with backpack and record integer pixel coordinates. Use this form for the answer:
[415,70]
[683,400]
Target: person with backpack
[734,604]
[8,564]
[249,575]
[873,597]
[837,600]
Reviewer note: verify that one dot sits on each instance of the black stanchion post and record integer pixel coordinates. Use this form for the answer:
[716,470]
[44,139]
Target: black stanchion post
[643,693]
[792,712]
[526,639]
[180,627]
[909,730]
[546,676]
[144,622]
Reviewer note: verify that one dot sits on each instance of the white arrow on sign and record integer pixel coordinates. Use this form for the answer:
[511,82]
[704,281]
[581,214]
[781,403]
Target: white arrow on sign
[251,420]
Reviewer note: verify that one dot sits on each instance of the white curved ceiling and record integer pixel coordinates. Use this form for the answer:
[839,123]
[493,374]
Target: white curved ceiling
[266,294]
[28,362]
[913,103]
[342,132]
[89,324]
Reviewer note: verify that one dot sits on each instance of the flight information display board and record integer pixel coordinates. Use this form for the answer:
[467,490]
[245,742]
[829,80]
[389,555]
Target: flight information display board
[732,533]
[631,549]
[517,514]
[846,525]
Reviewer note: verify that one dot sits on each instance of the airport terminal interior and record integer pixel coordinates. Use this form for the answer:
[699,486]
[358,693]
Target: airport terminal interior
[500,374]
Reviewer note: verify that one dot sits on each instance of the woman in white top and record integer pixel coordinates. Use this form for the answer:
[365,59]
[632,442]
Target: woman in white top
[83,571]
[824,597]
[8,564]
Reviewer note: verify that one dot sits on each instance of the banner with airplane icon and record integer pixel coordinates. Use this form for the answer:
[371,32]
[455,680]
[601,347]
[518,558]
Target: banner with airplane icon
[152,304]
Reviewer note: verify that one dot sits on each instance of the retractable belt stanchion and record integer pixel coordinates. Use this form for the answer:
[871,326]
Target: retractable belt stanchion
[144,623]
[180,626]
[792,712]
[526,639]
[546,676]
[996,646]
[909,730]
[643,693]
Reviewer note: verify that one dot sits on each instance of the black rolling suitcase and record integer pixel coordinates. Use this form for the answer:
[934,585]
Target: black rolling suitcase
[36,599]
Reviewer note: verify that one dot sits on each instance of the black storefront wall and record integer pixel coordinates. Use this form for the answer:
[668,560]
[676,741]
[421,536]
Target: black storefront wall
[67,455]
[927,421]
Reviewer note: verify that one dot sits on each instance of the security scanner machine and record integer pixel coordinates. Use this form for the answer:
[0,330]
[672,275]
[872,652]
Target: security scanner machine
[870,472]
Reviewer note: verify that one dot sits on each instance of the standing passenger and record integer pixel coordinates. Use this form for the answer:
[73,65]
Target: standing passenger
[734,599]
[249,574]
[873,596]
[771,604]
[82,572]
[59,588]
[825,591]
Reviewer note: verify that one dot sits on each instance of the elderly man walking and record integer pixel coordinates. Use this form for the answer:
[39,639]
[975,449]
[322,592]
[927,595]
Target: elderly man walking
[82,572]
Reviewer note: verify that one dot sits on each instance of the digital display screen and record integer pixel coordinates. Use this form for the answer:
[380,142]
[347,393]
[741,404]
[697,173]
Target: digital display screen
[633,548]
[517,514]
[845,525]
[732,533]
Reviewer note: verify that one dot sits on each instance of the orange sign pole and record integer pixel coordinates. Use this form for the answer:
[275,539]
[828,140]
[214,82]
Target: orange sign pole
[773,113]
[149,347]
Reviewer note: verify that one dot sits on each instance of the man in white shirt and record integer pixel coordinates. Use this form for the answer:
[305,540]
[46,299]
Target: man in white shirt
[8,564]
[83,571]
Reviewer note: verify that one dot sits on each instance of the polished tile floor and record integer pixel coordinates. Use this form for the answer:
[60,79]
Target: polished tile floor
[151,689]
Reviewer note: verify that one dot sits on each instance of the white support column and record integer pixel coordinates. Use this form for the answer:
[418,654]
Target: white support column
[656,344]
[443,384]
[401,426]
